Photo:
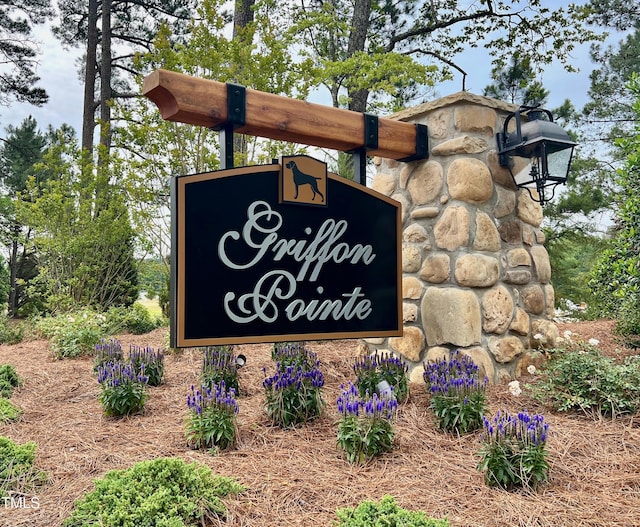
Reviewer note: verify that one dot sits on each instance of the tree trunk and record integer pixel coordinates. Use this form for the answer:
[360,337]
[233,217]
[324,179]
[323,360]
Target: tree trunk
[105,77]
[90,74]
[357,40]
[242,15]
[13,277]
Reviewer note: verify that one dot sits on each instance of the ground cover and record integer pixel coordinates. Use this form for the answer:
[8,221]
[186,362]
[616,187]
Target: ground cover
[298,476]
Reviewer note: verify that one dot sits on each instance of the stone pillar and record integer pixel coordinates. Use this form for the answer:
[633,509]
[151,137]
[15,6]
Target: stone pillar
[476,275]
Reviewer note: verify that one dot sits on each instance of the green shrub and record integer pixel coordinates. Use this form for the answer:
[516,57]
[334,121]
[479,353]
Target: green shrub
[135,319]
[385,514]
[165,492]
[9,380]
[16,467]
[628,320]
[11,332]
[73,334]
[584,379]
[212,417]
[8,412]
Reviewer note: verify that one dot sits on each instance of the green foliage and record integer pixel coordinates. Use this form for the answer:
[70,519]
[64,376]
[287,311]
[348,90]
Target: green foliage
[365,428]
[73,334]
[628,323]
[616,276]
[581,378]
[8,412]
[164,492]
[17,471]
[134,319]
[219,367]
[457,393]
[148,362]
[372,369]
[514,452]
[11,332]
[383,514]
[9,379]
[516,84]
[123,390]
[212,417]
[293,394]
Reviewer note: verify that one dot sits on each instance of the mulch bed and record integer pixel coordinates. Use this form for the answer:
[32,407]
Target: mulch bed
[297,476]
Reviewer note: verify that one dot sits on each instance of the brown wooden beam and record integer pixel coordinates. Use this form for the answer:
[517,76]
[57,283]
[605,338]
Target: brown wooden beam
[203,102]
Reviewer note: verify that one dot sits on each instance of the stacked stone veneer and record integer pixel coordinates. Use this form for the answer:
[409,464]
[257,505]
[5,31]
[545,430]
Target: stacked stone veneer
[476,275]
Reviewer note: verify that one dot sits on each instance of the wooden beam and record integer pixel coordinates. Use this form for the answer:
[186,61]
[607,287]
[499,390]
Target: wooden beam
[203,102]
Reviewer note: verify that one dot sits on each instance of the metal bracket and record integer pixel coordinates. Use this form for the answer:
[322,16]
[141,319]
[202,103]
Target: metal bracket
[422,144]
[236,117]
[370,143]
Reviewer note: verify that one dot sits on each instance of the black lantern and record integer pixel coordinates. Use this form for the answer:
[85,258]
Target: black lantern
[548,147]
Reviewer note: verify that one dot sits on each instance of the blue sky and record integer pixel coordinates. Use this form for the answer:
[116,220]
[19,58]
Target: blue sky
[58,72]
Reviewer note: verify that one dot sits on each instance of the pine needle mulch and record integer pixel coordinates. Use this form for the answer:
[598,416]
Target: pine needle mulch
[297,476]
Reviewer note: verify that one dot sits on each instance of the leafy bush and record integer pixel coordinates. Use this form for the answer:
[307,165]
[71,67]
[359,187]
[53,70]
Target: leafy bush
[370,370]
[148,362]
[365,430]
[8,412]
[457,394]
[212,417]
[164,492]
[135,319]
[9,380]
[73,334]
[11,332]
[628,320]
[383,514]
[123,390]
[219,366]
[583,379]
[294,393]
[16,467]
[514,454]
[107,351]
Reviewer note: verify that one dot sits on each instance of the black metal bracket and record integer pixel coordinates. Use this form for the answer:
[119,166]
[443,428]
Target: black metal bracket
[236,117]
[370,143]
[422,144]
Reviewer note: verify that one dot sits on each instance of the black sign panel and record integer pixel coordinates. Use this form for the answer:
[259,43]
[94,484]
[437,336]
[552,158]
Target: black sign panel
[246,268]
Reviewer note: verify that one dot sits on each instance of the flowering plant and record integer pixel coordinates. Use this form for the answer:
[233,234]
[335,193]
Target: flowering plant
[370,370]
[219,366]
[107,351]
[151,360]
[365,430]
[124,391]
[513,453]
[457,394]
[212,417]
[294,393]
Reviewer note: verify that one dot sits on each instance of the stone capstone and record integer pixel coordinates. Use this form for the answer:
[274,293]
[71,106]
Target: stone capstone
[451,316]
[425,182]
[452,229]
[476,270]
[410,345]
[469,180]
[497,310]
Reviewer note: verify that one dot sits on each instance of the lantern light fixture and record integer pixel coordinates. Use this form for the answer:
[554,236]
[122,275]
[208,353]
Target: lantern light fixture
[548,147]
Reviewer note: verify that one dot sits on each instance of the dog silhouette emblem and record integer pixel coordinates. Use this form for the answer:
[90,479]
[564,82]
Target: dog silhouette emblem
[300,179]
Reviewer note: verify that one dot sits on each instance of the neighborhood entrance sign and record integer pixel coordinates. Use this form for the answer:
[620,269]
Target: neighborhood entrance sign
[282,252]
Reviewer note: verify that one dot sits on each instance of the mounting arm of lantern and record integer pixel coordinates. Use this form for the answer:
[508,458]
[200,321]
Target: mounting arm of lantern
[548,147]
